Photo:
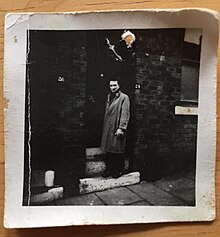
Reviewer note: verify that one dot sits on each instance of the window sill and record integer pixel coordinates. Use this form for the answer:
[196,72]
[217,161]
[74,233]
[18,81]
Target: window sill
[185,110]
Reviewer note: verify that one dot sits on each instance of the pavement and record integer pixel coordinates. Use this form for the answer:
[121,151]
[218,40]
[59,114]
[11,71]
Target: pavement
[171,191]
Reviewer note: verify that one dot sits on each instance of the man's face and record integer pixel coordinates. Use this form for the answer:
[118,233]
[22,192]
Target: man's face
[114,86]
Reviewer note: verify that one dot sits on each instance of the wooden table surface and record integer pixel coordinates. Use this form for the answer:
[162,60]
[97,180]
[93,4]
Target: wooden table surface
[210,229]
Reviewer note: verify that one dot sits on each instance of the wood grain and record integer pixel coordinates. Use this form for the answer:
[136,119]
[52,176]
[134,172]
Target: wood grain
[171,229]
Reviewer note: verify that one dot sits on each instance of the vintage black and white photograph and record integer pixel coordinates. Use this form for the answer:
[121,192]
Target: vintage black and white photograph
[113,117]
[110,120]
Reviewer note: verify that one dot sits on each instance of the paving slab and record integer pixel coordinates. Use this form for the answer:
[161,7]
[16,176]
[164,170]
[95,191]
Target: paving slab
[155,195]
[89,185]
[182,188]
[187,195]
[86,200]
[175,184]
[191,175]
[141,203]
[118,196]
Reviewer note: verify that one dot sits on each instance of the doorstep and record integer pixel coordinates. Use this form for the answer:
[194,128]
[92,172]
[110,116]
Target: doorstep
[89,185]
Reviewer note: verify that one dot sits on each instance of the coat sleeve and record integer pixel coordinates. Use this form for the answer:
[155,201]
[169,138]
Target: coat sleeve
[125,114]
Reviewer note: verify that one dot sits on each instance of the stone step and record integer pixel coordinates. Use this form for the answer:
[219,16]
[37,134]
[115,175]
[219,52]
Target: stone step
[94,151]
[95,168]
[89,185]
[95,165]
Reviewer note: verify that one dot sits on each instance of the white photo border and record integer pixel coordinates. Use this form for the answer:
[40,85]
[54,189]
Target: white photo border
[17,25]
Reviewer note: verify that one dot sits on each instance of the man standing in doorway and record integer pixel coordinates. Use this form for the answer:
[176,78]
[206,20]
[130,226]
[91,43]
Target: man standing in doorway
[117,114]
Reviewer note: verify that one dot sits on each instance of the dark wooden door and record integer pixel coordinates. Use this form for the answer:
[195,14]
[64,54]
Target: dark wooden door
[103,66]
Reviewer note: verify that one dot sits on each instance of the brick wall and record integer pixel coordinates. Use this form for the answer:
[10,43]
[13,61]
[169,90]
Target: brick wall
[165,143]
[57,71]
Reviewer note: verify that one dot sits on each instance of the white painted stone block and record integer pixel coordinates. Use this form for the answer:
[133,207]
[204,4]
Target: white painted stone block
[51,195]
[89,185]
[57,192]
[49,178]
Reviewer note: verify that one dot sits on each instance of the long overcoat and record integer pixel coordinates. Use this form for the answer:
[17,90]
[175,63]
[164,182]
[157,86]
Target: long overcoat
[117,115]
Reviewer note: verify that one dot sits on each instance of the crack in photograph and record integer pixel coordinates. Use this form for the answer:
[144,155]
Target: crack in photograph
[111,117]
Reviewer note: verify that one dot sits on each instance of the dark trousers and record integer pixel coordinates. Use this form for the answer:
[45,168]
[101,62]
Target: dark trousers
[114,163]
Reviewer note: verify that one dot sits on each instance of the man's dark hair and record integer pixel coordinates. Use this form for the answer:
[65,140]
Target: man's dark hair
[114,79]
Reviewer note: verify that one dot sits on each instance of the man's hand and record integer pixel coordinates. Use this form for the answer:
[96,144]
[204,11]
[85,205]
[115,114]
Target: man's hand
[119,133]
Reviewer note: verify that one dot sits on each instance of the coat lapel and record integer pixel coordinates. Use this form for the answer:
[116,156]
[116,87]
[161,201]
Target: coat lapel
[109,106]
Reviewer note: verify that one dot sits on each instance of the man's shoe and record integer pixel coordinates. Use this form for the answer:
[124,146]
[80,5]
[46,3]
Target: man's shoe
[106,174]
[117,175]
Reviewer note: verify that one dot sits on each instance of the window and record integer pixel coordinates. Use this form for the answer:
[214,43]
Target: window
[190,72]
[189,81]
